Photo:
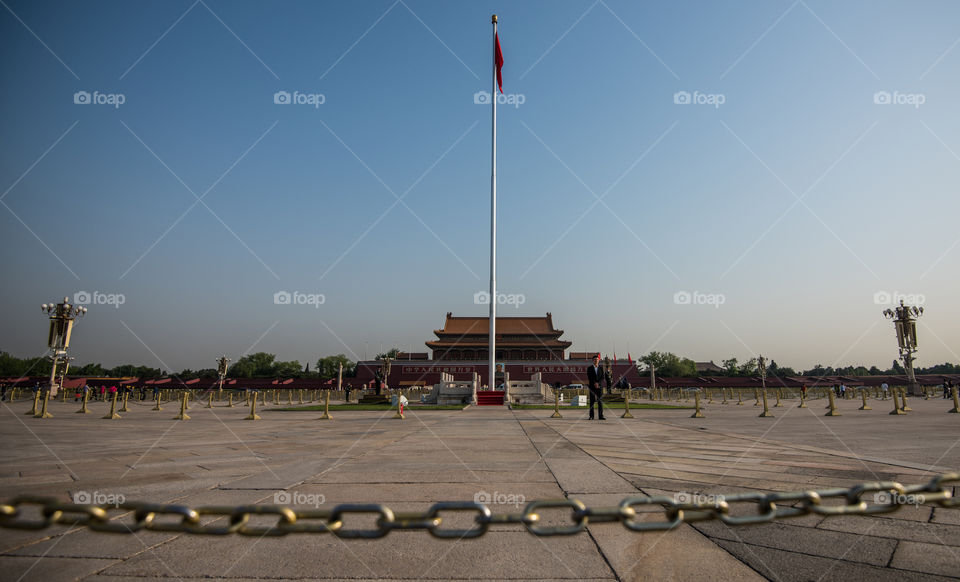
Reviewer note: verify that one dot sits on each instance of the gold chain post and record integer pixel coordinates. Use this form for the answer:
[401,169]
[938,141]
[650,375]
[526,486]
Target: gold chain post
[112,415]
[326,407]
[626,406]
[43,411]
[83,405]
[832,406]
[556,404]
[183,408]
[696,412]
[253,408]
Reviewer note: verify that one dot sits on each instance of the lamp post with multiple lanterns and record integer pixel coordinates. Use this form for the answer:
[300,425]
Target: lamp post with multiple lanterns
[62,316]
[905,322]
[222,372]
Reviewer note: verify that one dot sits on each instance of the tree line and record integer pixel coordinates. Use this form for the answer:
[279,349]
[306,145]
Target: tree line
[670,365]
[258,365]
[266,365]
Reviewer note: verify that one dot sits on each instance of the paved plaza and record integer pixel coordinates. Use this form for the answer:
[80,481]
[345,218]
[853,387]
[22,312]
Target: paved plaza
[509,456]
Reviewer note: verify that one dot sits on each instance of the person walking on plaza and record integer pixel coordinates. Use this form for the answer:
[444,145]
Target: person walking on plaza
[594,377]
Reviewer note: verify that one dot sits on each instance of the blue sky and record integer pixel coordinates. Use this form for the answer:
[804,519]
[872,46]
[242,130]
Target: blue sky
[812,176]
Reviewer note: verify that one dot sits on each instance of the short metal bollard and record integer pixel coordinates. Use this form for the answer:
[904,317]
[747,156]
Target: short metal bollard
[626,406]
[83,405]
[696,412]
[112,415]
[833,406]
[183,408]
[43,411]
[896,403]
[253,409]
[326,407]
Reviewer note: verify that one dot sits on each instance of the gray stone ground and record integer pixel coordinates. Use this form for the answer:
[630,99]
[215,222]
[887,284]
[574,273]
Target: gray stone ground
[217,458]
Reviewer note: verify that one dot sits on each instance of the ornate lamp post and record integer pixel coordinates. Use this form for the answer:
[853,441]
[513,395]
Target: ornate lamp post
[905,321]
[384,373]
[607,375]
[762,366]
[222,372]
[61,316]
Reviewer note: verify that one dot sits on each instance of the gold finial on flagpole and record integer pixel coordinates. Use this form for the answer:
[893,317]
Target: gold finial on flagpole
[494,18]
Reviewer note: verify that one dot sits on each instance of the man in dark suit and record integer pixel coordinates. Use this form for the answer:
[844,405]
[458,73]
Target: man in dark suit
[594,377]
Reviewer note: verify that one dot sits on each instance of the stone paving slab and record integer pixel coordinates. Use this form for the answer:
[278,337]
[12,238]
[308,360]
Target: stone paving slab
[857,547]
[787,566]
[934,533]
[662,555]
[499,557]
[367,456]
[24,569]
[519,576]
[929,558]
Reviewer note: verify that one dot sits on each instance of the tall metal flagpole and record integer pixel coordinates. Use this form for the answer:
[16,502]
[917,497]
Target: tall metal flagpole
[493,219]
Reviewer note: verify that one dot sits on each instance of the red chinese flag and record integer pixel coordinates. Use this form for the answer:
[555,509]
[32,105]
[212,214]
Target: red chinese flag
[498,61]
[628,358]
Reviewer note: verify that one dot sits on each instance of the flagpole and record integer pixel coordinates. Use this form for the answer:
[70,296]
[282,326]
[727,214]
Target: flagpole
[493,218]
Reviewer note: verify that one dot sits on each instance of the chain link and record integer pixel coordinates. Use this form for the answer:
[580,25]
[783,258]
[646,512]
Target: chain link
[132,517]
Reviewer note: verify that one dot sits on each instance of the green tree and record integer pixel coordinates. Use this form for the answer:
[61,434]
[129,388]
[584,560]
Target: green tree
[258,365]
[89,370]
[328,367]
[748,368]
[291,369]
[670,365]
[731,367]
[391,353]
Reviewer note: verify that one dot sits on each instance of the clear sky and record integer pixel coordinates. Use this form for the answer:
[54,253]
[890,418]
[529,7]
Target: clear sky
[812,174]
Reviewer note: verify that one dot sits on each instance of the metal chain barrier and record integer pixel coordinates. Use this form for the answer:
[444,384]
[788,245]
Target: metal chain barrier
[139,516]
